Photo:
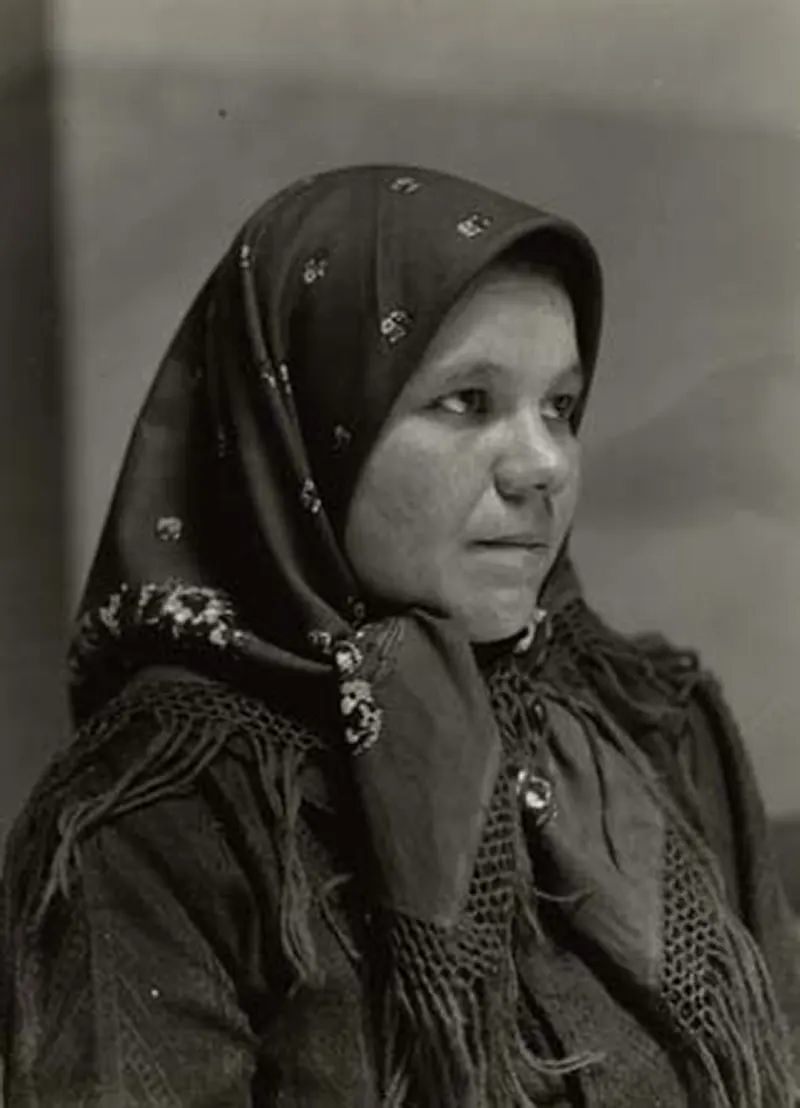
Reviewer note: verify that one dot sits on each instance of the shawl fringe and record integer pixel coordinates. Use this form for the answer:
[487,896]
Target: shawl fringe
[185,743]
[726,1013]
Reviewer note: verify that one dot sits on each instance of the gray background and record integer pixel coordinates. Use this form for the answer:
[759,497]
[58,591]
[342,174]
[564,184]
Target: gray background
[670,130]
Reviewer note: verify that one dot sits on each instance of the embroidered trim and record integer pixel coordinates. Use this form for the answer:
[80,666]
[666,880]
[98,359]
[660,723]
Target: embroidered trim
[315,268]
[395,325]
[169,528]
[173,608]
[474,224]
[362,716]
[406,185]
[309,497]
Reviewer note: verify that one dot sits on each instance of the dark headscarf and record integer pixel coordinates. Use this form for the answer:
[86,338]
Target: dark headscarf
[223,543]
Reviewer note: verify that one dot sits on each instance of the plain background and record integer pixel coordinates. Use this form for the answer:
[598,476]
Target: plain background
[670,130]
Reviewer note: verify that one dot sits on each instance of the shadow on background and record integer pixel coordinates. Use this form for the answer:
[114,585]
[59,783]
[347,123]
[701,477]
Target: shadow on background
[31,437]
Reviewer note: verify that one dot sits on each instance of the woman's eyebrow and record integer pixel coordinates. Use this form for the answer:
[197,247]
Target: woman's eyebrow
[486,369]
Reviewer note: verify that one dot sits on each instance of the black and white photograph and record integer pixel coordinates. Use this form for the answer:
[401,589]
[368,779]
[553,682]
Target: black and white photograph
[400,554]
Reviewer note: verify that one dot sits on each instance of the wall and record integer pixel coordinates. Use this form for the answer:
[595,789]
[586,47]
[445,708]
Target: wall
[669,130]
[31,494]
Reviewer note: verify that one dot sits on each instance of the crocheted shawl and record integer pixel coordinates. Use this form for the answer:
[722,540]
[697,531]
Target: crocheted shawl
[223,550]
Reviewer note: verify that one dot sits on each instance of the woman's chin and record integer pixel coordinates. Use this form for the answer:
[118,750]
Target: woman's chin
[492,624]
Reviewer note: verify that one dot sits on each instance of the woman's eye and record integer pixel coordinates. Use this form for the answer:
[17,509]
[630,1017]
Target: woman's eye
[464,402]
[561,407]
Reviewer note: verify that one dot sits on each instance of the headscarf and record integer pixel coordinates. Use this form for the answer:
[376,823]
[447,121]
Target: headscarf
[228,516]
[223,552]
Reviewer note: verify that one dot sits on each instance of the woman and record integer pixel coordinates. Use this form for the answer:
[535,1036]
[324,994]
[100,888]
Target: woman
[366,807]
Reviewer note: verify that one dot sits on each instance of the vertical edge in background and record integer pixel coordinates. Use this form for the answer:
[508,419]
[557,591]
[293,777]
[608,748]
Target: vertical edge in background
[32,528]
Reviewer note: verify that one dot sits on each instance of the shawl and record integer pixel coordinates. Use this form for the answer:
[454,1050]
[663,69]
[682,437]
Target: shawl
[223,551]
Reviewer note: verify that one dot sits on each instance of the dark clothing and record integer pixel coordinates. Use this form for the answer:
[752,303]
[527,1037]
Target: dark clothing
[161,979]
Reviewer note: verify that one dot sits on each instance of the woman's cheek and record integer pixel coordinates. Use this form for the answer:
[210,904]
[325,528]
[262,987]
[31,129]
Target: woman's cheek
[567,499]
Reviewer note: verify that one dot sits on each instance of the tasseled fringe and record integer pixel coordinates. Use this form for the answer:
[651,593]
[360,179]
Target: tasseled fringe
[171,761]
[741,1054]
[742,1046]
[461,1047]
[643,683]
[185,744]
[280,772]
[743,1049]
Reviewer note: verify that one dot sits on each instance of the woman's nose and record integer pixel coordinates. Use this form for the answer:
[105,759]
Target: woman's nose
[533,459]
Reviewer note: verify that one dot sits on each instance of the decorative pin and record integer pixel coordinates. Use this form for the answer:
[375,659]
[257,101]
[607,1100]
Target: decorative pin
[406,185]
[395,325]
[315,268]
[245,256]
[474,224]
[309,497]
[535,793]
[169,528]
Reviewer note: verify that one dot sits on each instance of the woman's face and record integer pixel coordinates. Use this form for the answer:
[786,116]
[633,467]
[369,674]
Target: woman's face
[471,487]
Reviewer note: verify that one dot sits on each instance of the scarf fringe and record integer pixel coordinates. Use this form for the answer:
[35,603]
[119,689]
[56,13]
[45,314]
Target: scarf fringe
[184,745]
[742,1050]
[742,1046]
[461,1047]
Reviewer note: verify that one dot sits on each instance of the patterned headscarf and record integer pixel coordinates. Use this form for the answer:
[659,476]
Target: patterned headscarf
[223,542]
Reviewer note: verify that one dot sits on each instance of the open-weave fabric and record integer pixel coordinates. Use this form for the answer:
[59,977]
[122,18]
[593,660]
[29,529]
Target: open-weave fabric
[452,1006]
[449,998]
[714,991]
[452,1019]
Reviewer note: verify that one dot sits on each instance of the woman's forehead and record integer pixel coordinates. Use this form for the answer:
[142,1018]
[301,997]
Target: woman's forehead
[506,314]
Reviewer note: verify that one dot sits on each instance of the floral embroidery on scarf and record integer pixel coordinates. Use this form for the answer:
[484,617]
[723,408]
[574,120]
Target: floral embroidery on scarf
[358,662]
[181,611]
[348,658]
[473,225]
[395,325]
[406,185]
[315,268]
[169,528]
[283,375]
[309,497]
[362,716]
[266,374]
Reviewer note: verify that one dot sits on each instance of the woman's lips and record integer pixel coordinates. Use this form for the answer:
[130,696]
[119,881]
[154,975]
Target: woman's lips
[514,542]
[518,553]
